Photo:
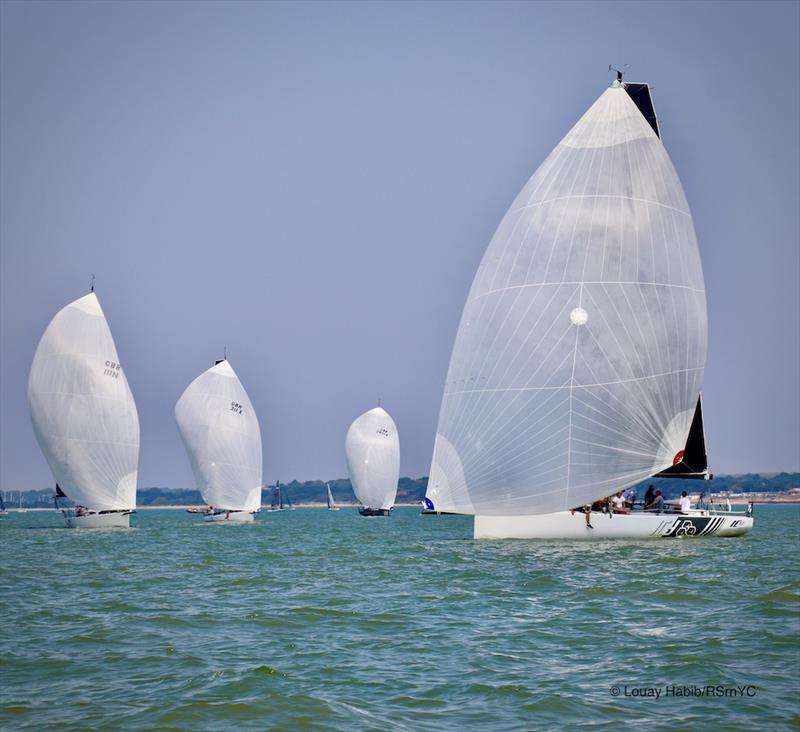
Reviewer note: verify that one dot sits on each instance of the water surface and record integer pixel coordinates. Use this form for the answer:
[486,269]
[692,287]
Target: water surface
[318,620]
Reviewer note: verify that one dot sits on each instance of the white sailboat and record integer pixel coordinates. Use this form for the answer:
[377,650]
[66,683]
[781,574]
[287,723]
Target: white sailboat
[372,448]
[577,365]
[220,431]
[84,416]
[331,503]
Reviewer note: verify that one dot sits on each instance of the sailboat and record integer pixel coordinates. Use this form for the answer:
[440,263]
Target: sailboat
[21,509]
[276,499]
[84,416]
[372,448]
[3,509]
[331,503]
[578,361]
[220,431]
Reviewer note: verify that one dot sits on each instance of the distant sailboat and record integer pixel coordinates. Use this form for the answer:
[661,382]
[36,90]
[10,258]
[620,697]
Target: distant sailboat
[577,364]
[372,448]
[21,509]
[220,431]
[331,503]
[84,416]
[3,509]
[276,499]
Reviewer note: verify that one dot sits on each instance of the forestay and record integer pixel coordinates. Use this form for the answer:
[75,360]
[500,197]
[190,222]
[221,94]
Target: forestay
[82,409]
[372,448]
[220,430]
[578,360]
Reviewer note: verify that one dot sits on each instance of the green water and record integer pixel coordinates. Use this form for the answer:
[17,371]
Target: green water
[318,620]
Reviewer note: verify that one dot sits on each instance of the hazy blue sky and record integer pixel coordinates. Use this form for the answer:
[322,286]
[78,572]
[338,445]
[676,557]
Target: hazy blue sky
[313,185]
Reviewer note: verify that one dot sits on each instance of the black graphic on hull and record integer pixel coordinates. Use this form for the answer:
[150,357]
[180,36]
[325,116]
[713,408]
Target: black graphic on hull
[694,526]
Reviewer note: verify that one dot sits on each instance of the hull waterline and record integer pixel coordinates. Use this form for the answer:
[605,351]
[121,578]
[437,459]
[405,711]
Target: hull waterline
[371,512]
[110,520]
[231,517]
[638,525]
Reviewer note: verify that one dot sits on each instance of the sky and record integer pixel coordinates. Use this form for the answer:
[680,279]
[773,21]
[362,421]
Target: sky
[312,187]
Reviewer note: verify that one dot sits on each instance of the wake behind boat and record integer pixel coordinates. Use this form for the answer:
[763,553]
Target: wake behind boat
[577,365]
[220,431]
[84,416]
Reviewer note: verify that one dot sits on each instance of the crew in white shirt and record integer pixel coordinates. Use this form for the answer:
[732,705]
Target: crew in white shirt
[686,504]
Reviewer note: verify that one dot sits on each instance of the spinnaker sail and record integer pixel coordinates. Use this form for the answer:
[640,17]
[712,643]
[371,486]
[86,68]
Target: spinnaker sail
[220,430]
[579,356]
[372,448]
[82,409]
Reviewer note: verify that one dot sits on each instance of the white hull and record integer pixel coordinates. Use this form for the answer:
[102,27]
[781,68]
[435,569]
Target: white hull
[637,525]
[115,520]
[231,517]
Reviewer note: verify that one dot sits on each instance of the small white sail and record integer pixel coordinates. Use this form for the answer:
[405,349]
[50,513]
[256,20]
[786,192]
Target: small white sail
[220,430]
[580,353]
[331,502]
[83,411]
[372,447]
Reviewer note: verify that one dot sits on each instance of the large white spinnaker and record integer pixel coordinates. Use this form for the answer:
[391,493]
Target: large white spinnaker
[220,430]
[580,353]
[82,409]
[372,448]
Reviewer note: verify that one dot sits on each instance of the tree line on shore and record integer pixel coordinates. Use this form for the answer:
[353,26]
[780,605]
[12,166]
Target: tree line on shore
[412,490]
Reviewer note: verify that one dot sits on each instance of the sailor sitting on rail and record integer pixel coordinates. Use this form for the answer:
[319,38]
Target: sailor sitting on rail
[618,503]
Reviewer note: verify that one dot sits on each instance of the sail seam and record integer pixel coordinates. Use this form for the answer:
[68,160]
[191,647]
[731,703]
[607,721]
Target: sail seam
[599,195]
[579,386]
[588,282]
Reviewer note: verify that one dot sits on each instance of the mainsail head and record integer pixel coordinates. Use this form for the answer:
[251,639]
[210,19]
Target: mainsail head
[579,356]
[372,448]
[82,409]
[220,430]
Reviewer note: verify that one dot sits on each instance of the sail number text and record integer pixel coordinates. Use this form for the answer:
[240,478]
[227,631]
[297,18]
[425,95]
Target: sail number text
[236,407]
[112,369]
